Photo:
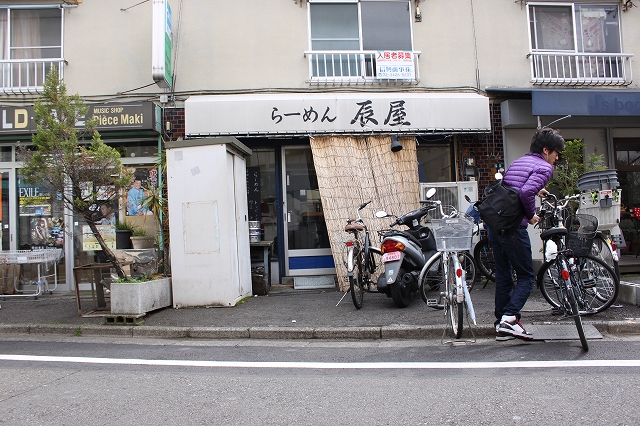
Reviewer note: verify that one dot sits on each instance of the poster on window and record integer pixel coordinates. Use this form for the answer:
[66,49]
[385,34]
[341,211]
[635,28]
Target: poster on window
[34,201]
[145,179]
[90,242]
[395,64]
[47,232]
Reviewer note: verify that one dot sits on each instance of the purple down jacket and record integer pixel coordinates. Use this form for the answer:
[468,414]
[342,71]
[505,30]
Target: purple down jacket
[528,174]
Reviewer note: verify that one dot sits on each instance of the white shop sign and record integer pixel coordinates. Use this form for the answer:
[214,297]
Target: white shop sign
[314,113]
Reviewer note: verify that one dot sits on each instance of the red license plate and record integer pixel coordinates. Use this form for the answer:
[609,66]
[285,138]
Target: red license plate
[390,257]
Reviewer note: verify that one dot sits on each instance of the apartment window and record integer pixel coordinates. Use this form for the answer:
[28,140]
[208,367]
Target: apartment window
[28,38]
[575,27]
[365,25]
[577,43]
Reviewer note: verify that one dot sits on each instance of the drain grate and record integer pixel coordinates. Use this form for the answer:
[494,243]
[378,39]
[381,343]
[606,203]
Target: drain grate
[561,331]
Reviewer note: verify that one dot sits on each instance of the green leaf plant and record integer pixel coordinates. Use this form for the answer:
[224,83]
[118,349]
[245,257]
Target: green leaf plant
[73,163]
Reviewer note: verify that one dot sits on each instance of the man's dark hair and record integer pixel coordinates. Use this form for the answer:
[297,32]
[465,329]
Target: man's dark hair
[546,138]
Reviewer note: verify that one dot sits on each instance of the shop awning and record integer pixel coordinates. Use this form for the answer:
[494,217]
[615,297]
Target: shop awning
[333,113]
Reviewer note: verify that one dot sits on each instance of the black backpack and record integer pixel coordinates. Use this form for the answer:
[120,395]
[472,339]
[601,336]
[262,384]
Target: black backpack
[500,207]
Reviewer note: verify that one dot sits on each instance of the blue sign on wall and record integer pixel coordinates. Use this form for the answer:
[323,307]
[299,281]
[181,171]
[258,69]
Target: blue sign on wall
[586,102]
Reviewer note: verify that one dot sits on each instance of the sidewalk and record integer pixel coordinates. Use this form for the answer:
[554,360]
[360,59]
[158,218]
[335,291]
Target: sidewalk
[291,314]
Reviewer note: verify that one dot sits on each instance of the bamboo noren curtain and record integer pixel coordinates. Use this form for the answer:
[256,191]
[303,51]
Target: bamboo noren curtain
[354,169]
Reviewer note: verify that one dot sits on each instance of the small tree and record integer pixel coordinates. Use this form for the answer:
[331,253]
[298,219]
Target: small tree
[85,176]
[571,165]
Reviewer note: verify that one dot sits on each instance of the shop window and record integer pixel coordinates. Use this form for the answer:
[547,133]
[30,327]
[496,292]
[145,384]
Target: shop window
[261,191]
[627,151]
[434,162]
[40,225]
[31,45]
[363,25]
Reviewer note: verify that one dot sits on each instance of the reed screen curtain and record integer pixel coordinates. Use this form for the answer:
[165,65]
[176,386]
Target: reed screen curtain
[355,169]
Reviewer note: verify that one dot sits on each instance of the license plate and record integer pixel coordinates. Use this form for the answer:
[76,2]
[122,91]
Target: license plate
[390,257]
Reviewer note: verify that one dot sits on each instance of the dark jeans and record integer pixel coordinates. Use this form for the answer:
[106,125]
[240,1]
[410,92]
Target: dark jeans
[512,251]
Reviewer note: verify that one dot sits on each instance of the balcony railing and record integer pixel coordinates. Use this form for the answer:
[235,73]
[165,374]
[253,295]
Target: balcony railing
[19,76]
[581,69]
[345,67]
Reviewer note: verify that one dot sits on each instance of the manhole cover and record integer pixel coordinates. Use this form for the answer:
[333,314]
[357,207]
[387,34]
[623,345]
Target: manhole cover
[561,332]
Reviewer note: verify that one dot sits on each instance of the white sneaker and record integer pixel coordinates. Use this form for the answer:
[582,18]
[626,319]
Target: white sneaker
[514,329]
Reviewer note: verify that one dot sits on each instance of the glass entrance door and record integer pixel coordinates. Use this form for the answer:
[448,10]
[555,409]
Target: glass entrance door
[307,248]
[5,217]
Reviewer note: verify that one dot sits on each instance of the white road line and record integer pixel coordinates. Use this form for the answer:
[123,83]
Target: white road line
[329,365]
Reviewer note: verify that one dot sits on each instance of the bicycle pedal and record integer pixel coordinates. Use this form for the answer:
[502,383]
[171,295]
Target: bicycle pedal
[432,302]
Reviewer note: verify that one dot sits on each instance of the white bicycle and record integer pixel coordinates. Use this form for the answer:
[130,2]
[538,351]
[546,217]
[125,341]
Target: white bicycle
[451,264]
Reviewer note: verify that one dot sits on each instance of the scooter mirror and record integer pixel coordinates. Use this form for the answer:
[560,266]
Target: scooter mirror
[381,214]
[466,197]
[499,176]
[431,192]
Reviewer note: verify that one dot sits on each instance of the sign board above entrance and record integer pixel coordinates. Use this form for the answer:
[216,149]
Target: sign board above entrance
[317,113]
[122,116]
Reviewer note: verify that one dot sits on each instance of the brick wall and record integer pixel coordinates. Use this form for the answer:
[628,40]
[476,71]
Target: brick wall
[176,117]
[485,148]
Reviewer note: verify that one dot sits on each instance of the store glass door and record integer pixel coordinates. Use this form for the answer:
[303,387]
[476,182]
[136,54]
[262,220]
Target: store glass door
[5,217]
[307,249]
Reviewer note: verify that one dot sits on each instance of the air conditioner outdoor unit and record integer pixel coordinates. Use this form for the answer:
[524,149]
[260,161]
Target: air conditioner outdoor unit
[452,193]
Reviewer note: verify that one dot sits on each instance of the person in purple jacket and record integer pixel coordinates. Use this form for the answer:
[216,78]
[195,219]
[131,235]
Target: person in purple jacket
[512,252]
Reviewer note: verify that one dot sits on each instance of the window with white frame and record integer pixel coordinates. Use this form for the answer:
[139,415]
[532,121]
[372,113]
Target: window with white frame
[30,43]
[575,27]
[341,27]
[576,42]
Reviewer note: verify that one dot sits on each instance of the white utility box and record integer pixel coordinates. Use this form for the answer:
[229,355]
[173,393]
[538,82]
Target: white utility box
[208,224]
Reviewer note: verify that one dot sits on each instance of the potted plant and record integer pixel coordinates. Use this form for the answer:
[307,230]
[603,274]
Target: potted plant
[140,239]
[136,296]
[124,231]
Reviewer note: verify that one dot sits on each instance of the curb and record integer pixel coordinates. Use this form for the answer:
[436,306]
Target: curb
[276,333]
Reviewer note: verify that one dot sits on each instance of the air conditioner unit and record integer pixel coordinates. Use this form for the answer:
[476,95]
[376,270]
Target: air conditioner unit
[452,193]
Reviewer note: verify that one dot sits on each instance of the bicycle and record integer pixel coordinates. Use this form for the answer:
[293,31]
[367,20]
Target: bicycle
[360,261]
[453,241]
[603,247]
[598,282]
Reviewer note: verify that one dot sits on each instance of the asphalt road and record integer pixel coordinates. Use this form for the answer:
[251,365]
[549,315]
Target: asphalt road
[100,381]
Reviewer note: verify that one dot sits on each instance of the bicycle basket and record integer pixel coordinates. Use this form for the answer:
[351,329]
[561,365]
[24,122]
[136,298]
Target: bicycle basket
[582,230]
[452,234]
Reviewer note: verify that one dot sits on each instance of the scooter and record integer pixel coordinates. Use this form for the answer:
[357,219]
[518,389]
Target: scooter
[405,252]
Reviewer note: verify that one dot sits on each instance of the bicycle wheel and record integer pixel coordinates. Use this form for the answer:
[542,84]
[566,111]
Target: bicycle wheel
[483,255]
[469,266]
[575,313]
[432,283]
[595,280]
[356,280]
[602,250]
[453,308]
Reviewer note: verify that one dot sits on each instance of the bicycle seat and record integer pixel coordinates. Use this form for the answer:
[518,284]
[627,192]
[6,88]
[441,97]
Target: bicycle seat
[552,232]
[353,227]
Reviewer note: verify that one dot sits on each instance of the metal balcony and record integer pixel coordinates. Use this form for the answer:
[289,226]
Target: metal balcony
[347,67]
[581,69]
[26,76]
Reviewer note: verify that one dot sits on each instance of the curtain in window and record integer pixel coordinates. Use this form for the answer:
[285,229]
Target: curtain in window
[592,23]
[25,44]
[555,30]
[3,34]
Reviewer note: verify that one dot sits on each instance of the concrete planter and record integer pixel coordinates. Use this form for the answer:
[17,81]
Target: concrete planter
[142,242]
[140,298]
